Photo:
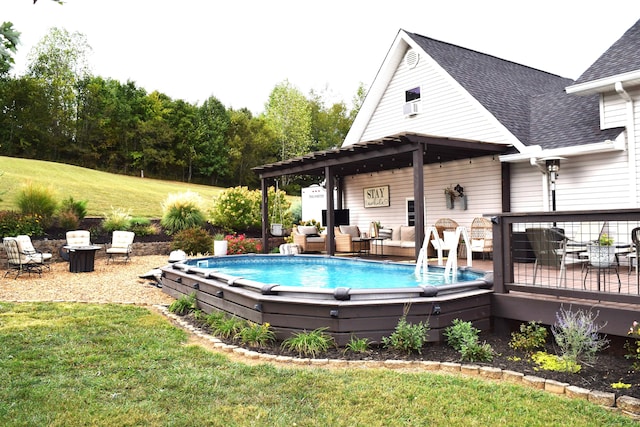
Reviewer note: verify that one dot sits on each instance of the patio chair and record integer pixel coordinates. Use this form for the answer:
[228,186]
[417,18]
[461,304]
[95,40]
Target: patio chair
[481,235]
[17,260]
[26,247]
[121,245]
[446,228]
[308,238]
[349,239]
[550,248]
[78,238]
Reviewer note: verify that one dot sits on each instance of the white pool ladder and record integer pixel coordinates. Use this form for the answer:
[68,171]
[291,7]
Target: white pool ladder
[450,244]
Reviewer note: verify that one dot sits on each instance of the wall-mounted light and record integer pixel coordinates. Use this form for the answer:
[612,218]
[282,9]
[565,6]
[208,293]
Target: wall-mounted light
[553,167]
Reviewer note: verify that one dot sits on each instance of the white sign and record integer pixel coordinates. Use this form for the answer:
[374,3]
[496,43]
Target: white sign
[376,197]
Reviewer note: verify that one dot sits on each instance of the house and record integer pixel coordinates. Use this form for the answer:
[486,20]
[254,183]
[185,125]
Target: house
[439,116]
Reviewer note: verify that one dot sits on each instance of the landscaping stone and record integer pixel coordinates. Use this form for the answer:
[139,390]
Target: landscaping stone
[533,381]
[602,398]
[629,404]
[577,392]
[556,387]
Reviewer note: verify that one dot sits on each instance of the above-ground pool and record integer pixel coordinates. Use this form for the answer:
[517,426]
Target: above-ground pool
[348,296]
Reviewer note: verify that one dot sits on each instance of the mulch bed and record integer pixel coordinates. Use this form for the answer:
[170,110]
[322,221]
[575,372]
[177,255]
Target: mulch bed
[610,367]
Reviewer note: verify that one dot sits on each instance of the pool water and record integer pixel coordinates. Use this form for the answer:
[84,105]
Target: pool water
[328,273]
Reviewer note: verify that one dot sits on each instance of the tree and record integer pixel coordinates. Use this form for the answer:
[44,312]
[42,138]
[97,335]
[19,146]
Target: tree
[212,151]
[357,101]
[251,143]
[330,124]
[289,117]
[9,39]
[59,60]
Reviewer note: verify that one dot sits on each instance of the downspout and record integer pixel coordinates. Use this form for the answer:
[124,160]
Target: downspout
[631,144]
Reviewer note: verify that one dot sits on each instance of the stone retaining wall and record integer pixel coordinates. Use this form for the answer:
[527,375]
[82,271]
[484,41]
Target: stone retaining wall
[53,247]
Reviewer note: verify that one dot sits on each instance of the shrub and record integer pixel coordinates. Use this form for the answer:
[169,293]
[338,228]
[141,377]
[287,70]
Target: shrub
[12,224]
[474,351]
[532,336]
[256,335]
[577,335]
[464,338]
[552,362]
[142,226]
[357,345]
[68,220]
[460,333]
[181,211]
[183,305]
[77,207]
[407,337]
[228,327]
[193,241]
[309,343]
[239,209]
[36,200]
[239,244]
[117,219]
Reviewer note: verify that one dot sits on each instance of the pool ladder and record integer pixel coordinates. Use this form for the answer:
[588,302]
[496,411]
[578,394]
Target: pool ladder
[448,244]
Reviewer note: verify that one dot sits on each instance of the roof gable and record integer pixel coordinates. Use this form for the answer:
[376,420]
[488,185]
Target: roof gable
[622,57]
[503,87]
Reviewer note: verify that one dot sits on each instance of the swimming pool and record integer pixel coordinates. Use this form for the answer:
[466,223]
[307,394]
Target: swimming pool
[345,295]
[328,272]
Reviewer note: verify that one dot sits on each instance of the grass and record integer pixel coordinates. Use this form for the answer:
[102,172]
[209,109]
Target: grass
[83,364]
[102,190]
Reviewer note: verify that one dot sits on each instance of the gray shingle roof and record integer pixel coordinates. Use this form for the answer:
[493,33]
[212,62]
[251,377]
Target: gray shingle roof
[531,103]
[623,56]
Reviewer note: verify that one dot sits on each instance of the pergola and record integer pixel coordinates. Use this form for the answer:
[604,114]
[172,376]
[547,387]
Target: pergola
[392,152]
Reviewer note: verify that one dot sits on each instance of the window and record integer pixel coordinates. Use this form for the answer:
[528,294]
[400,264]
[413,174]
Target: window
[412,94]
[411,212]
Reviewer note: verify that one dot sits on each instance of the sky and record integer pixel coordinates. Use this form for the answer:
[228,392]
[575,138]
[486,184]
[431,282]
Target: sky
[238,51]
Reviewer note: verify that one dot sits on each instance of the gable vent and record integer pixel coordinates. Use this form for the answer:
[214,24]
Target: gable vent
[411,58]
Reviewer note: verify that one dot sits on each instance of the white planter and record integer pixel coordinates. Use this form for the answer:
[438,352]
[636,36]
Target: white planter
[601,256]
[220,247]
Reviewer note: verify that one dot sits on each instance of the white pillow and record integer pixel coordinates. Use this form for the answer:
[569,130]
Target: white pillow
[307,229]
[351,230]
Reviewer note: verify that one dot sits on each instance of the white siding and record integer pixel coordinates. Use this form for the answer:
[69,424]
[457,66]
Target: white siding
[446,109]
[613,112]
[527,190]
[584,182]
[480,180]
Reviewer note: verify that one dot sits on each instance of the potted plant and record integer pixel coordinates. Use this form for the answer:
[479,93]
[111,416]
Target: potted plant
[219,245]
[449,195]
[602,253]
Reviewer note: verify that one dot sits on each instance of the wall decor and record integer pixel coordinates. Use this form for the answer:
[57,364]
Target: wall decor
[376,197]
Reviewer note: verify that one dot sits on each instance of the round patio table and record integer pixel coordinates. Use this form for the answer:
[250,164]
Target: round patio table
[81,258]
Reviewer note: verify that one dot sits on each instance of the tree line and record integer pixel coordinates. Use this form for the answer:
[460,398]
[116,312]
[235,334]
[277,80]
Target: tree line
[59,111]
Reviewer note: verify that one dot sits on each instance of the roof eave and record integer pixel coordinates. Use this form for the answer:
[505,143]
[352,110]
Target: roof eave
[606,84]
[618,144]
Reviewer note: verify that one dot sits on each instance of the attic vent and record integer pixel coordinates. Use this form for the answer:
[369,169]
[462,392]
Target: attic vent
[411,58]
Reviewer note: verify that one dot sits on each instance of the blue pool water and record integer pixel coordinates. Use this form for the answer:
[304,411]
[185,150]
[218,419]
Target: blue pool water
[328,273]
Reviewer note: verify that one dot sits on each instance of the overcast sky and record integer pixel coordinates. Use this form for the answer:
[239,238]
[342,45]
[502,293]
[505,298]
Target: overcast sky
[239,50]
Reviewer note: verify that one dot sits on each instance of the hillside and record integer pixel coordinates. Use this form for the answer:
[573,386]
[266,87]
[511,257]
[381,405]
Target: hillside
[102,190]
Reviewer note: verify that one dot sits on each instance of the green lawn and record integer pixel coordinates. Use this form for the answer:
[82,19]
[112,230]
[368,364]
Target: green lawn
[65,364]
[143,196]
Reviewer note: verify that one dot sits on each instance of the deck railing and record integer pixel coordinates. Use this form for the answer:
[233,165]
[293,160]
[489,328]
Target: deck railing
[554,253]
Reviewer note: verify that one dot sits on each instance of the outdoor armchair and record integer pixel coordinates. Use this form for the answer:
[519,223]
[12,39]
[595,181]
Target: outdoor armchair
[19,261]
[26,247]
[121,245]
